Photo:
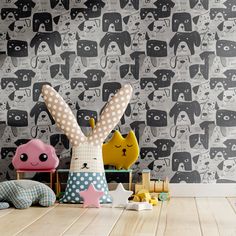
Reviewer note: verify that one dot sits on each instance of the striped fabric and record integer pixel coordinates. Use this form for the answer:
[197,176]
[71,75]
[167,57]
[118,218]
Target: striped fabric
[23,193]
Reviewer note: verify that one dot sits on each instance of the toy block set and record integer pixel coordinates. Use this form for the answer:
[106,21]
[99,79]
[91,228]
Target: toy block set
[151,190]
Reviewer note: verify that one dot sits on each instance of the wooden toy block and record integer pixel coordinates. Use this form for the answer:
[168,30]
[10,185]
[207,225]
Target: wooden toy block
[146,179]
[153,195]
[166,185]
[152,186]
[158,189]
[153,201]
[158,186]
[138,187]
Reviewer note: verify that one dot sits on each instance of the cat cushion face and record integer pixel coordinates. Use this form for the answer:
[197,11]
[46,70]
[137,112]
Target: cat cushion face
[124,150]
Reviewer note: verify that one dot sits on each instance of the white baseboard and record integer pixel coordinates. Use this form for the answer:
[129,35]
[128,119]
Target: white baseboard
[203,190]
[193,190]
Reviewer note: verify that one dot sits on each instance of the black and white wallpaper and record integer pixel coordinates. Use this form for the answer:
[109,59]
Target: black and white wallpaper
[179,56]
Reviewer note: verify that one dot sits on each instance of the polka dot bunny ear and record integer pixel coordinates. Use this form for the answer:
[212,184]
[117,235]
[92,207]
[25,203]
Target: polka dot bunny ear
[66,120]
[63,115]
[111,115]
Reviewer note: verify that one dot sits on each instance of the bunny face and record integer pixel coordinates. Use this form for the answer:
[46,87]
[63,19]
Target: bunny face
[87,158]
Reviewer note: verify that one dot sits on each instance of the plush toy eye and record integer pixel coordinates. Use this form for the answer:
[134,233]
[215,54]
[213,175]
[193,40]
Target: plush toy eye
[117,146]
[43,157]
[23,157]
[129,145]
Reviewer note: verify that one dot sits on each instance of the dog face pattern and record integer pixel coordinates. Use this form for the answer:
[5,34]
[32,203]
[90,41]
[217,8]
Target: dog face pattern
[180,63]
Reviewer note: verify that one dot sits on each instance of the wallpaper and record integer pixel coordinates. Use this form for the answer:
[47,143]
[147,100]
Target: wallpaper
[179,56]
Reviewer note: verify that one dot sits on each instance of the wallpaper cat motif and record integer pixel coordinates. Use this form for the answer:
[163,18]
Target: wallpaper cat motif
[179,56]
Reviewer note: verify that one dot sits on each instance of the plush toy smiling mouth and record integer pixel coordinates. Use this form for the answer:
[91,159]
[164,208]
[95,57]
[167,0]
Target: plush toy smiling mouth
[34,164]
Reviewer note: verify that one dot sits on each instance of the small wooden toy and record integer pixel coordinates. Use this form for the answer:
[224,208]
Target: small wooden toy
[120,196]
[158,188]
[139,206]
[145,196]
[121,152]
[91,196]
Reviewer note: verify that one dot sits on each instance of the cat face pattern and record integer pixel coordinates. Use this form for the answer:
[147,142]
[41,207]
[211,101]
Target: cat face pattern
[179,57]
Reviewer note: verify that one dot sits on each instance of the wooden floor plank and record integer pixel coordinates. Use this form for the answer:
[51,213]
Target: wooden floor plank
[17,220]
[181,218]
[56,221]
[232,202]
[224,215]
[162,219]
[207,219]
[6,211]
[97,222]
[137,223]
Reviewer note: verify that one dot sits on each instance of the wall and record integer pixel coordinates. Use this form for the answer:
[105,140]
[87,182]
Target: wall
[179,57]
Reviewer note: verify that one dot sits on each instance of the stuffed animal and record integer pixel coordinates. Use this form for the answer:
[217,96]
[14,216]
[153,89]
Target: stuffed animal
[121,152]
[86,163]
[35,155]
[23,193]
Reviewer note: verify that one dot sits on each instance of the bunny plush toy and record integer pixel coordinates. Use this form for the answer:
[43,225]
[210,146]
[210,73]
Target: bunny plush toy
[86,163]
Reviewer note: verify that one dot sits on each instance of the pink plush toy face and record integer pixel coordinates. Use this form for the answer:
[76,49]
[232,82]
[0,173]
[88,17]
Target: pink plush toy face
[35,155]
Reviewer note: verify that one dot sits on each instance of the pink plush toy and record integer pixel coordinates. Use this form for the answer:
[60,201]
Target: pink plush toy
[35,155]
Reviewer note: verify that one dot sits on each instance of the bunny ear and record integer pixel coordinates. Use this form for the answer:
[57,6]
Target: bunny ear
[111,115]
[63,115]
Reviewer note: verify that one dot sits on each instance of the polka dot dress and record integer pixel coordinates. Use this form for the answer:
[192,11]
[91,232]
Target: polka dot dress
[80,181]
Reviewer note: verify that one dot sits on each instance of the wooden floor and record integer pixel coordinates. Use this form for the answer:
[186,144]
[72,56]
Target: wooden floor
[178,217]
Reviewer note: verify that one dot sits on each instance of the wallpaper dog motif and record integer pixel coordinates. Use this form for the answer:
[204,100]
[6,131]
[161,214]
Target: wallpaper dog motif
[179,57]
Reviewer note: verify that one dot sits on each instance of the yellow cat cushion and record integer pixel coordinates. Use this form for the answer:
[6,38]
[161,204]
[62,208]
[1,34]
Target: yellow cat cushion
[121,152]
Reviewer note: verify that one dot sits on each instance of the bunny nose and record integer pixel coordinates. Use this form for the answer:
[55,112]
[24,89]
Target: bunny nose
[85,166]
